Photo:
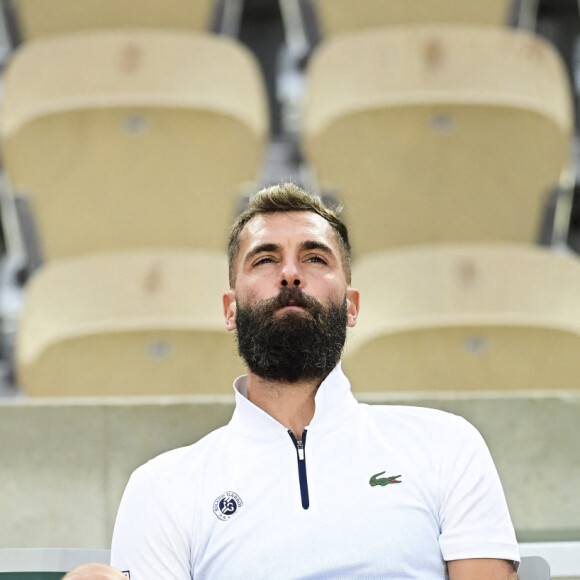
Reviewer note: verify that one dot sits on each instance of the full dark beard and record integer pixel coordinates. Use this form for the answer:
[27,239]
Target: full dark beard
[291,345]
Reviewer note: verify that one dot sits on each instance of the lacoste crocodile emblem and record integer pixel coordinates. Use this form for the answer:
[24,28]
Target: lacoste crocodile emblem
[378,480]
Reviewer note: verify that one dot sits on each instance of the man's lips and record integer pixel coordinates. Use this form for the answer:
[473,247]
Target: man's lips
[292,306]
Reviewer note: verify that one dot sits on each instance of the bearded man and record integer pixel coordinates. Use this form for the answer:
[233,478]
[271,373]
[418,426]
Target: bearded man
[304,482]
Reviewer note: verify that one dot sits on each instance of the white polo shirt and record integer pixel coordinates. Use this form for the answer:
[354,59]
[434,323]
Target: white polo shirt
[385,492]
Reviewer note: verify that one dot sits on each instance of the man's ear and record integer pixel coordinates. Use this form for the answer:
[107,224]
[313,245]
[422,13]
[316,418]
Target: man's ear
[352,306]
[229,302]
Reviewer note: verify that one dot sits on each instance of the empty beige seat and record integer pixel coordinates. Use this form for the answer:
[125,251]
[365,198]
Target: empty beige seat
[132,139]
[466,317]
[438,133]
[340,16]
[37,18]
[135,323]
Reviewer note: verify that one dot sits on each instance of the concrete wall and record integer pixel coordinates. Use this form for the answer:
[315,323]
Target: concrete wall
[64,463]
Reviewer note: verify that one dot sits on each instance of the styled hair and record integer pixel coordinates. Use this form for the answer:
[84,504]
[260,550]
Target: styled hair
[287,197]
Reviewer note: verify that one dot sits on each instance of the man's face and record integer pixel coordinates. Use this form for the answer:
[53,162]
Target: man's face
[291,303]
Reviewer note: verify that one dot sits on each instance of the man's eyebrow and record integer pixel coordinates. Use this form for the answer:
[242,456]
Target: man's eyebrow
[316,245]
[260,248]
[272,247]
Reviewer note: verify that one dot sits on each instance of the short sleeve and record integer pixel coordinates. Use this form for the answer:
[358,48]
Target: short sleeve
[474,516]
[148,541]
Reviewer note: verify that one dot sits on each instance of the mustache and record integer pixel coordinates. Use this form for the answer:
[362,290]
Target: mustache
[291,297]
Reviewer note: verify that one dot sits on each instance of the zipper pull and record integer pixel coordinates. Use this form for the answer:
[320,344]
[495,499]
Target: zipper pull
[300,447]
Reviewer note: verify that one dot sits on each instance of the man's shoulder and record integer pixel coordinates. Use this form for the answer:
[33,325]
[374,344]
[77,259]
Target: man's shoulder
[411,411]
[414,417]
[184,459]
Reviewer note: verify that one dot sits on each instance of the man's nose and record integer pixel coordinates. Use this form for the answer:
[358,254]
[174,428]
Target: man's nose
[295,282]
[290,275]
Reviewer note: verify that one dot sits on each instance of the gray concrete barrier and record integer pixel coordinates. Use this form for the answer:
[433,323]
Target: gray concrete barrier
[64,462]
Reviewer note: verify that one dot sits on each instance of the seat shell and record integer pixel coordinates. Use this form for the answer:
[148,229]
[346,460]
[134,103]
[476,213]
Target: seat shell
[133,139]
[466,317]
[438,133]
[37,18]
[132,323]
[342,16]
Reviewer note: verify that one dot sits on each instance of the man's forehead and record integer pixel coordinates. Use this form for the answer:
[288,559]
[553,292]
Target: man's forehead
[298,226]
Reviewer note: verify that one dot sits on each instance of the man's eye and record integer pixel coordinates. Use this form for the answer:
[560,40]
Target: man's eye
[262,261]
[318,259]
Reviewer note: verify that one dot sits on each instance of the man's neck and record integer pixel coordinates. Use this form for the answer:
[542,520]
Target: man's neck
[291,404]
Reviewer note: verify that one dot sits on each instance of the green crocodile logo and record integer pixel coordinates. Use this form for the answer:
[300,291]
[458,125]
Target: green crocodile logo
[378,480]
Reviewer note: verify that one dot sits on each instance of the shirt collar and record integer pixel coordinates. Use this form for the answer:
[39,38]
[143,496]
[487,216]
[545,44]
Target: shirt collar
[334,402]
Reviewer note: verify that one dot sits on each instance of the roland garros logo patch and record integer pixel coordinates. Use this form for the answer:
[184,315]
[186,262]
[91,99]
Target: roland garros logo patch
[227,505]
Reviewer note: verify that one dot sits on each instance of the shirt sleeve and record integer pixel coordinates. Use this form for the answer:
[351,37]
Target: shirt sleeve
[148,541]
[474,516]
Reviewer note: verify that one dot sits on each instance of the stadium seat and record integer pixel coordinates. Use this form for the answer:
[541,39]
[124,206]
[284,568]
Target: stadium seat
[562,557]
[466,317]
[46,563]
[439,133]
[534,568]
[133,323]
[132,139]
[38,18]
[340,16]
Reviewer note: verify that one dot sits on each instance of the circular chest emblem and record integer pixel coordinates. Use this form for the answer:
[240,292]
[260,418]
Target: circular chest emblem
[227,505]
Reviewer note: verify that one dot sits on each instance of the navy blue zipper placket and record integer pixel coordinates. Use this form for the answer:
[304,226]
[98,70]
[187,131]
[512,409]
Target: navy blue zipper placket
[300,454]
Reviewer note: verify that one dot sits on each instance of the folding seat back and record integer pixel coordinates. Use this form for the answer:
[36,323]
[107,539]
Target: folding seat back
[131,139]
[466,317]
[37,18]
[534,568]
[438,133]
[133,323]
[340,16]
[560,557]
